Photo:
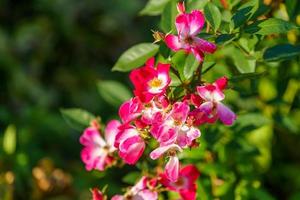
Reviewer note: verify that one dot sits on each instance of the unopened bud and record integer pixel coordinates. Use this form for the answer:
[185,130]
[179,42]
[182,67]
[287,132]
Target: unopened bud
[181,7]
[158,36]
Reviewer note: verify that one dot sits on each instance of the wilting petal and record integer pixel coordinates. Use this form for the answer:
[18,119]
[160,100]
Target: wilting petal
[172,168]
[111,131]
[225,114]
[97,194]
[145,195]
[221,83]
[205,46]
[91,137]
[156,153]
[117,197]
[196,22]
[140,185]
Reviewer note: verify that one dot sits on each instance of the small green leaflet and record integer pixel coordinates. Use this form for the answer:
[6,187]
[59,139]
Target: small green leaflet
[77,118]
[10,139]
[113,92]
[135,57]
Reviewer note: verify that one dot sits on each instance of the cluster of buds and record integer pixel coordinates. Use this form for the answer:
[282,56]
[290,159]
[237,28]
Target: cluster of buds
[152,115]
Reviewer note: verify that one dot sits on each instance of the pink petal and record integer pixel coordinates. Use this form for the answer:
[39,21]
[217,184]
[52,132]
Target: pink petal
[156,153]
[91,137]
[198,54]
[172,41]
[180,111]
[180,7]
[132,149]
[126,131]
[140,185]
[130,110]
[205,46]
[182,25]
[190,172]
[225,114]
[94,158]
[97,194]
[111,131]
[188,194]
[172,168]
[210,93]
[221,83]
[196,22]
[146,195]
[150,62]
[117,197]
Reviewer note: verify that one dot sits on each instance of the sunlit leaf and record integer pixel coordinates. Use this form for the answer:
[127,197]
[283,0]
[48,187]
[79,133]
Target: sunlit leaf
[269,26]
[135,57]
[154,7]
[213,15]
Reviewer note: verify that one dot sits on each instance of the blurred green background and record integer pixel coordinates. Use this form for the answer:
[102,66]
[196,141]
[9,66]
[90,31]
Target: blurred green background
[52,55]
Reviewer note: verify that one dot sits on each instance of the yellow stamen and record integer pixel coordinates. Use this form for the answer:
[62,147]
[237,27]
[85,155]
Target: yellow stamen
[155,82]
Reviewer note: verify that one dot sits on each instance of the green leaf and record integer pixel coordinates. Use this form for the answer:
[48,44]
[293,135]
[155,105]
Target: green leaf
[244,13]
[242,63]
[190,66]
[131,177]
[10,139]
[77,118]
[175,81]
[281,52]
[269,26]
[213,15]
[135,57]
[225,38]
[154,7]
[186,64]
[244,76]
[113,92]
[168,17]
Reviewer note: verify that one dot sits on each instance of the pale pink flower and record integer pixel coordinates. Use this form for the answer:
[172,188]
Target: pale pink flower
[97,152]
[212,108]
[188,26]
[172,166]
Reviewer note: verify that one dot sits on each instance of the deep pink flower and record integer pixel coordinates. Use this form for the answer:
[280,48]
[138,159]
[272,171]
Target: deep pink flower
[97,194]
[150,81]
[185,185]
[213,109]
[172,166]
[130,110]
[129,143]
[140,191]
[96,153]
[188,25]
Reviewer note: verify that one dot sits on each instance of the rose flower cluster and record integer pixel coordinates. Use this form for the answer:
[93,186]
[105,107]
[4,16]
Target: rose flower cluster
[152,115]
